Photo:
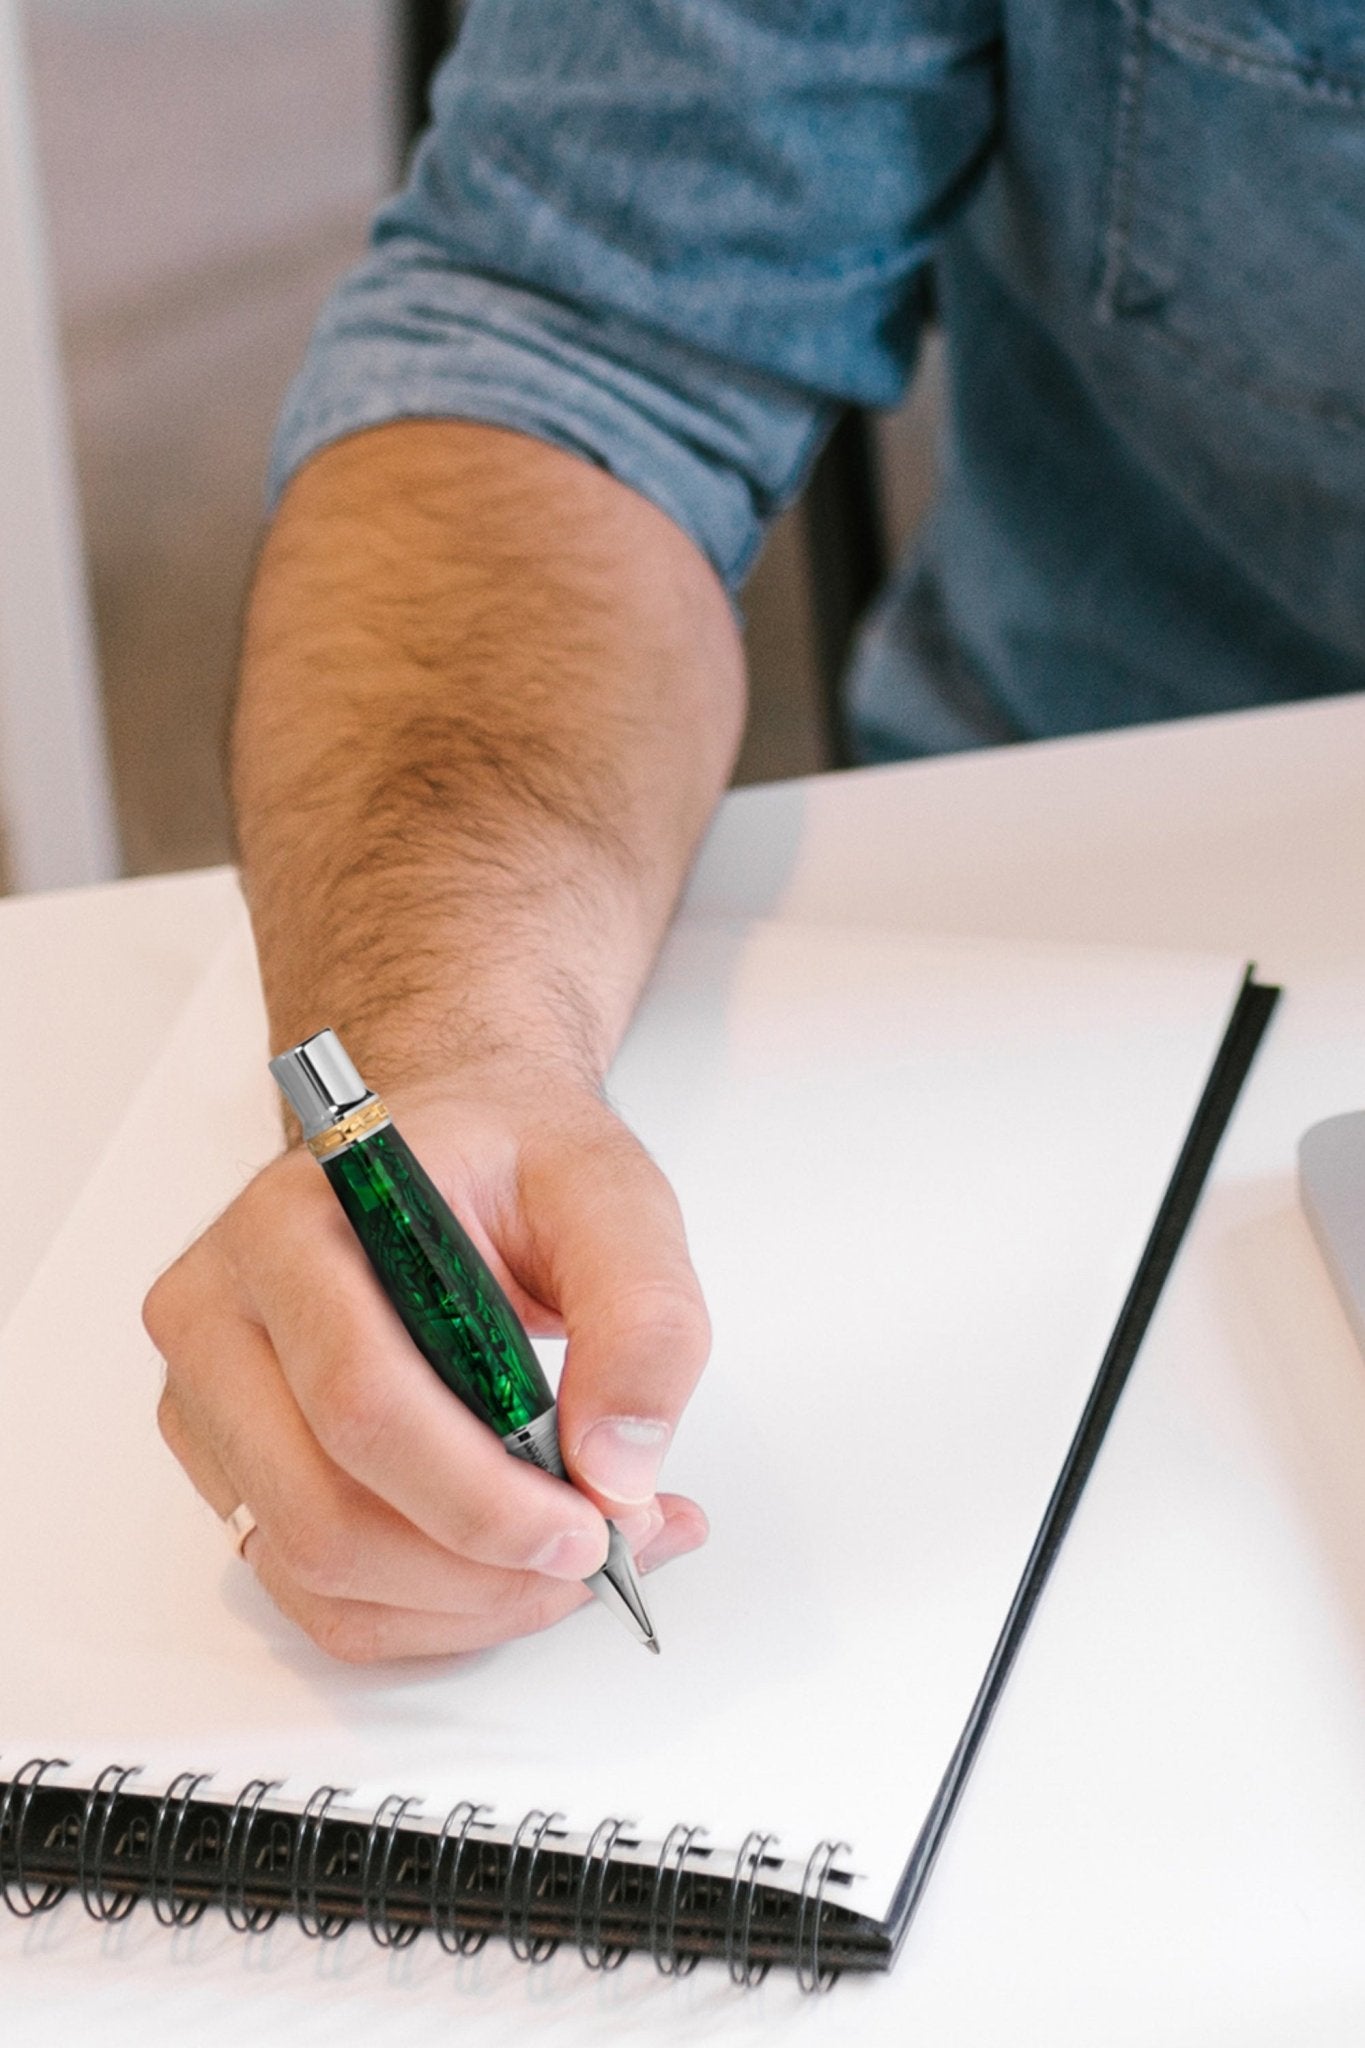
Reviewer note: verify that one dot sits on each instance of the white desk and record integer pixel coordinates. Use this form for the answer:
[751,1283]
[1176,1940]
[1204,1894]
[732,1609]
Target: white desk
[1210,1891]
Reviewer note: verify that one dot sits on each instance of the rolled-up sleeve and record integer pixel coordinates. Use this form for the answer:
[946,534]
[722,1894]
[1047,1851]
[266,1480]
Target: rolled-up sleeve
[671,236]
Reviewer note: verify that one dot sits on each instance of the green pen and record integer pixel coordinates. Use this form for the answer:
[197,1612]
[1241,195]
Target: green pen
[437,1280]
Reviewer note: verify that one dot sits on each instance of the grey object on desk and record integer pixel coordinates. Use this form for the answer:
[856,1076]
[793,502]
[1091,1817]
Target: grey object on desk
[1332,1190]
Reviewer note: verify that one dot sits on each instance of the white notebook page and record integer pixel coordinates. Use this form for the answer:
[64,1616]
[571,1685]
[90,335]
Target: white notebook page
[917,1178]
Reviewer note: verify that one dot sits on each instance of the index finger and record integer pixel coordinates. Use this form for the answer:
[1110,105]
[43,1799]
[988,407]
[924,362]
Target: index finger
[381,1413]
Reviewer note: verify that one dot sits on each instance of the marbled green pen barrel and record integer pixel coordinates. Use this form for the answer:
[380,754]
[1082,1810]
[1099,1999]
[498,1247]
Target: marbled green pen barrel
[436,1278]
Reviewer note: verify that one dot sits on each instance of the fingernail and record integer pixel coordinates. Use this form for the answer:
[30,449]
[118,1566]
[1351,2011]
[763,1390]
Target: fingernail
[575,1555]
[621,1457]
[673,1541]
[640,1526]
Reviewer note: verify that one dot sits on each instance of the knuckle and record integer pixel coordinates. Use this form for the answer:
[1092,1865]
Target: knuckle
[348,1633]
[265,1217]
[162,1310]
[354,1410]
[671,1313]
[483,1596]
[168,1418]
[259,1205]
[544,1606]
[171,1422]
[485,1531]
[318,1553]
[539,1608]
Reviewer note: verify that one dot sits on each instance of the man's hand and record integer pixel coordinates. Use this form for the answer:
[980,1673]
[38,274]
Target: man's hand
[489,698]
[390,1521]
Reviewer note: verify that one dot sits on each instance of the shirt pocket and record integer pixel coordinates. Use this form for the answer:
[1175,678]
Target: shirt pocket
[1234,215]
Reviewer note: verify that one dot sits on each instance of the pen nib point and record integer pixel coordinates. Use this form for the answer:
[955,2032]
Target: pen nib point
[618,1588]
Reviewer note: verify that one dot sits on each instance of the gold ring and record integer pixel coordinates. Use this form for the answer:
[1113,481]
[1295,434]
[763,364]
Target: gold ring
[240,1524]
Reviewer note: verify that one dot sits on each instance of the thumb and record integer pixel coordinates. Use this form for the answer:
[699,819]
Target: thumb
[616,1266]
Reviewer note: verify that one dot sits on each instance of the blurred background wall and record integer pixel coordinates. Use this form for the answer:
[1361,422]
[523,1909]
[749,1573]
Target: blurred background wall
[209,167]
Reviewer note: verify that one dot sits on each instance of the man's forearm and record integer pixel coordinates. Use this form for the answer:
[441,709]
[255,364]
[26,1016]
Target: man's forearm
[489,699]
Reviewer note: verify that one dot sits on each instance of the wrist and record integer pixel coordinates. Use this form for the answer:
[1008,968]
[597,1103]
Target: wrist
[401,1048]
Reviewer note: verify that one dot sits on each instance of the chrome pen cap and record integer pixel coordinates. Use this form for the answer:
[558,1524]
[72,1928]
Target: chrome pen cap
[320,1082]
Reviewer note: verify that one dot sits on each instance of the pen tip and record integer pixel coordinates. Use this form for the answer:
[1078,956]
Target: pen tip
[652,1643]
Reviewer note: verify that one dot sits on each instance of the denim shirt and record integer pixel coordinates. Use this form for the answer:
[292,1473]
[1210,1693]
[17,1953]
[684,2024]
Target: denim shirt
[676,236]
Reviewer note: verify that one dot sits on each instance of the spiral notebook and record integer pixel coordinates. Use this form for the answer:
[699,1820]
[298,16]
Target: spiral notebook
[920,1180]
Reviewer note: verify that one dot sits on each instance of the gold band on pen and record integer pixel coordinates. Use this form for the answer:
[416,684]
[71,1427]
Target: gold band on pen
[370,1116]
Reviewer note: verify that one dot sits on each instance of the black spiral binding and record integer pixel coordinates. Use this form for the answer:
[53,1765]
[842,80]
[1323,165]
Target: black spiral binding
[528,1843]
[668,1889]
[594,1878]
[13,1830]
[328,1867]
[810,1975]
[241,1914]
[745,1970]
[173,1910]
[454,1839]
[374,1887]
[303,1887]
[93,1842]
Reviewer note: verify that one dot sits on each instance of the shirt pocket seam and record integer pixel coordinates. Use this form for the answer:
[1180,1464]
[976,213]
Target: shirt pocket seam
[1299,75]
[1146,24]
